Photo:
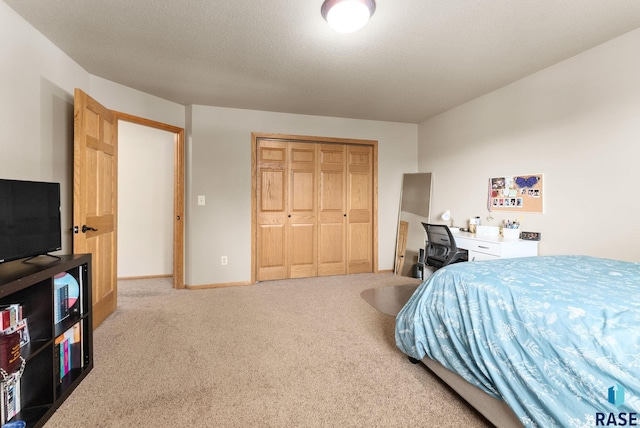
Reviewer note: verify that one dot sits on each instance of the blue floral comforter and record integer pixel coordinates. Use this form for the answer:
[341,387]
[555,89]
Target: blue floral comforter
[557,338]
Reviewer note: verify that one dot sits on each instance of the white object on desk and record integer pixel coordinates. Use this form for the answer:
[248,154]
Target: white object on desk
[483,247]
[511,233]
[487,230]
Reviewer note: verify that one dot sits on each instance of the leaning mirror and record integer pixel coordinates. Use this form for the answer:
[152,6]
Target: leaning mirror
[415,204]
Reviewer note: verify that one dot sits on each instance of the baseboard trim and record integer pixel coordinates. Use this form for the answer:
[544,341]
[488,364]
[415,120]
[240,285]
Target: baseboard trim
[127,278]
[227,284]
[385,271]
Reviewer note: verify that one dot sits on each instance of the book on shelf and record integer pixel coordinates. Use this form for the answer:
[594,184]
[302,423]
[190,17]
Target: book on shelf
[10,404]
[23,331]
[10,315]
[80,296]
[60,302]
[69,353]
[65,357]
[66,297]
[22,327]
[10,351]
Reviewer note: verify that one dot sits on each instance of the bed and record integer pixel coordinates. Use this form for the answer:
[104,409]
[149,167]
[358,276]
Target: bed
[535,341]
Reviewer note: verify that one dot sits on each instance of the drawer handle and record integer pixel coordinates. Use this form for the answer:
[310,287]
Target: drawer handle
[480,246]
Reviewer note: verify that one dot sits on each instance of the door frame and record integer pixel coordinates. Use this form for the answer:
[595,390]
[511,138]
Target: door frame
[255,136]
[178,190]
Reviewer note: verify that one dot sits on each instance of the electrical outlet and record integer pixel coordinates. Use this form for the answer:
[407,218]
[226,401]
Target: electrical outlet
[201,200]
[223,261]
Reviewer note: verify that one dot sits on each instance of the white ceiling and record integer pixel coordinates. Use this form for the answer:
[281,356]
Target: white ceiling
[415,58]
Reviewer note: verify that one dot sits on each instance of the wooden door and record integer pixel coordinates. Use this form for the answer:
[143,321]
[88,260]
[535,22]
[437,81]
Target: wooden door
[289,239]
[95,198]
[271,210]
[302,212]
[359,209]
[332,210]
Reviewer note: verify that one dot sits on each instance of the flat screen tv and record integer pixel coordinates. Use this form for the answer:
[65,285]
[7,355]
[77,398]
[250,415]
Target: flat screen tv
[29,219]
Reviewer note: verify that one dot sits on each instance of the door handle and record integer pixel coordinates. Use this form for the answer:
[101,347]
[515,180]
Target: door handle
[86,228]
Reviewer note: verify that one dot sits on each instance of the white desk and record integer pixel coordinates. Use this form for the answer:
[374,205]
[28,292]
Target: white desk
[483,247]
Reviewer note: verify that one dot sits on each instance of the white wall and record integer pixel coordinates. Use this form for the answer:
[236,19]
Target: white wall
[145,200]
[37,81]
[578,123]
[121,98]
[36,110]
[219,165]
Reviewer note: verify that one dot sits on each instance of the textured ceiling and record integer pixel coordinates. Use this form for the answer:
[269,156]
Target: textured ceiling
[415,58]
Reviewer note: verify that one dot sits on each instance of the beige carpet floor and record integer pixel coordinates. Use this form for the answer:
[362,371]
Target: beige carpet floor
[292,353]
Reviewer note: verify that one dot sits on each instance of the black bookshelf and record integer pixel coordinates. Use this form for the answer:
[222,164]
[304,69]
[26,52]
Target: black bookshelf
[58,329]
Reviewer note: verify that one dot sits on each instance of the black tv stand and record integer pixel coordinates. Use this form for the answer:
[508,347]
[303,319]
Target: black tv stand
[45,254]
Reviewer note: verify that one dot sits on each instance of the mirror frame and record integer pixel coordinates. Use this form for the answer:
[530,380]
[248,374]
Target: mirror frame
[415,205]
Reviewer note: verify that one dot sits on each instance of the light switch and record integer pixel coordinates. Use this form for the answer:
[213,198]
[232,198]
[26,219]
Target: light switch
[201,200]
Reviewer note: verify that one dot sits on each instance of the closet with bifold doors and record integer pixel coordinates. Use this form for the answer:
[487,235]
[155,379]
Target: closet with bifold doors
[314,206]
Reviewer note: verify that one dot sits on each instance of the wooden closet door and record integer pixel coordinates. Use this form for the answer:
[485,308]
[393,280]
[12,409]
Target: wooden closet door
[302,210]
[271,203]
[359,209]
[332,210]
[314,207]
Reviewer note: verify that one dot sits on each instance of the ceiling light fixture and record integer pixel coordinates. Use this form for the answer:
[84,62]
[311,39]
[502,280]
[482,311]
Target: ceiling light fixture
[347,16]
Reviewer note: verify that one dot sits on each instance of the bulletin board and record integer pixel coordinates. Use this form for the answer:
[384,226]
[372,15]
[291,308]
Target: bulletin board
[521,193]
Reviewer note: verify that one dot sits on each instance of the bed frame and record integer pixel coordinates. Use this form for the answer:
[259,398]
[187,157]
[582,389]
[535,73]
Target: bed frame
[496,411]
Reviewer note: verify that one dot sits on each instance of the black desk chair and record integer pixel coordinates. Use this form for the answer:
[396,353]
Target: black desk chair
[441,246]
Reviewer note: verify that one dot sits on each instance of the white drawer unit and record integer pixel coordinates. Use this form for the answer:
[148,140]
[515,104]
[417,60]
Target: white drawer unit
[494,247]
[476,256]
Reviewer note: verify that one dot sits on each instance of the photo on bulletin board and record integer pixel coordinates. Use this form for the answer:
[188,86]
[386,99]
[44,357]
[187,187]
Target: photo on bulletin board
[521,193]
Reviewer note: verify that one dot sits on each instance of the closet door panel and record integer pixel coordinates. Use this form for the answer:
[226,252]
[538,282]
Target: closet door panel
[332,210]
[272,195]
[302,212]
[272,252]
[332,250]
[359,209]
[273,191]
[360,252]
[303,256]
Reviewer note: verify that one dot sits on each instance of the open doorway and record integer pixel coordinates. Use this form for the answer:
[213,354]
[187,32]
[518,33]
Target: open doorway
[150,195]
[145,202]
